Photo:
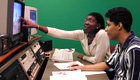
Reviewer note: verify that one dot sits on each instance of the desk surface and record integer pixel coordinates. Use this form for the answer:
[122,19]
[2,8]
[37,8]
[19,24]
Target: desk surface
[50,67]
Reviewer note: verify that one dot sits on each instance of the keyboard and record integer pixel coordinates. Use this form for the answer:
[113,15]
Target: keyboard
[63,55]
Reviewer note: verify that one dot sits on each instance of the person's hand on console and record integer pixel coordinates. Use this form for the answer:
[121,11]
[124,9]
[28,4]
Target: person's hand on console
[28,23]
[81,56]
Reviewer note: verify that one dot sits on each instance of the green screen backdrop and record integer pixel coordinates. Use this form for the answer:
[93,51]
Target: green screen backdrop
[70,15]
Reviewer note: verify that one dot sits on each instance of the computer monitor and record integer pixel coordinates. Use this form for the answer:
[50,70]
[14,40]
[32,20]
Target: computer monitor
[31,14]
[10,24]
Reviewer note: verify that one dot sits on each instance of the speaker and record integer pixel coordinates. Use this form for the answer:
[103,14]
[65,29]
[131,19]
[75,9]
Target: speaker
[46,45]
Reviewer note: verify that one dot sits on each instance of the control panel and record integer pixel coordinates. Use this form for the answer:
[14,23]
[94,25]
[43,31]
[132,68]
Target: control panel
[38,51]
[13,72]
[29,63]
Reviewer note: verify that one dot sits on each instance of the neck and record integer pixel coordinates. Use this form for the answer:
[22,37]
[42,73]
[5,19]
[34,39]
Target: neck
[122,38]
[90,36]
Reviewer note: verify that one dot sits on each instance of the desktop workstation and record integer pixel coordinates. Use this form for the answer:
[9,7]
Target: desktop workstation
[16,36]
[50,67]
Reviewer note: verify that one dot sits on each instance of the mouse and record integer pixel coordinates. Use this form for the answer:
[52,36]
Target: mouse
[74,65]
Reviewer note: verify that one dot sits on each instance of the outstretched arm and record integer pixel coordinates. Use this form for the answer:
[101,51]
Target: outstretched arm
[29,24]
[74,35]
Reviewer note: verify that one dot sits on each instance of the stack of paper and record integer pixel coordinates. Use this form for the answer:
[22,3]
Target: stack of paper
[63,55]
[67,75]
[62,66]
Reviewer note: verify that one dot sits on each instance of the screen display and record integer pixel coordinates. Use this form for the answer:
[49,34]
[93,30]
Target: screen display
[17,11]
[33,16]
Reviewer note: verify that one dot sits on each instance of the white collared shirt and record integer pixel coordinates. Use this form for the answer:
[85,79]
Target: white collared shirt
[99,49]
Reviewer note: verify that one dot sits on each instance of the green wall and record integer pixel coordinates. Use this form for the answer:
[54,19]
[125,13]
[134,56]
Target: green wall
[70,15]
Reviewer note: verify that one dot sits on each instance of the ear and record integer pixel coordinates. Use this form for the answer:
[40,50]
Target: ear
[120,26]
[98,26]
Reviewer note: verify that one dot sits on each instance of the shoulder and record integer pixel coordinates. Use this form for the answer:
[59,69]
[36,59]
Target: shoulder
[134,44]
[101,32]
[79,31]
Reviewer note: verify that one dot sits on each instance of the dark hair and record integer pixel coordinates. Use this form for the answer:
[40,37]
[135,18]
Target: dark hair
[120,14]
[99,18]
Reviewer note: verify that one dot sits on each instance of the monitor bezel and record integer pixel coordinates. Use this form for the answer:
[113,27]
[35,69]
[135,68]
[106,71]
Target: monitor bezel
[27,16]
[10,17]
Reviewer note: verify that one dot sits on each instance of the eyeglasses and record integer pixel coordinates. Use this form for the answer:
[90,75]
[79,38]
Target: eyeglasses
[90,21]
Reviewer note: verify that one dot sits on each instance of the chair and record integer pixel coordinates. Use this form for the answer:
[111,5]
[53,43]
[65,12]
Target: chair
[112,48]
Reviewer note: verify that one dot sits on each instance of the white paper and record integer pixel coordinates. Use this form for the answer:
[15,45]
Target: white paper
[93,72]
[66,65]
[67,75]
[56,73]
[63,55]
[62,77]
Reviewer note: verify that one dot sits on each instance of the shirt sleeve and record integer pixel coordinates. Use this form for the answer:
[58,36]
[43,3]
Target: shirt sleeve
[101,49]
[133,64]
[111,62]
[74,35]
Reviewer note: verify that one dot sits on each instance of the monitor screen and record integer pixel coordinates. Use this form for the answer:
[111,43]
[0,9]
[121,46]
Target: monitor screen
[33,16]
[17,11]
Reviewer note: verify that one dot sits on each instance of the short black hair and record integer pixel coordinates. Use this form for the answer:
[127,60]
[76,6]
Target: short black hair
[99,18]
[120,14]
